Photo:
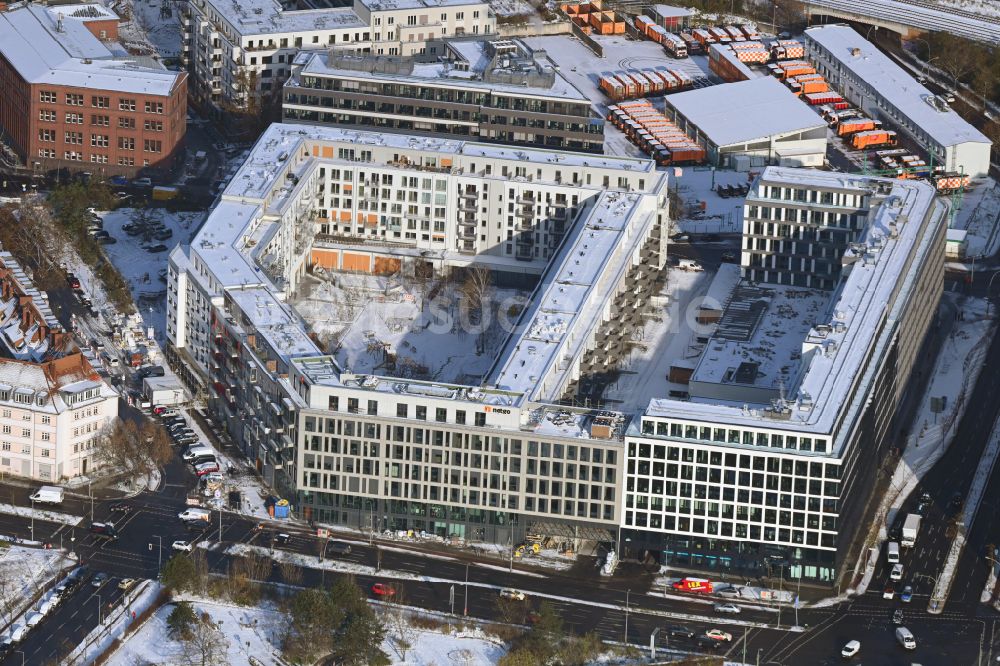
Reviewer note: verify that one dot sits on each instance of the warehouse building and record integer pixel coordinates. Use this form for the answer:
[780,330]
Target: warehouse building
[757,121]
[882,89]
[498,91]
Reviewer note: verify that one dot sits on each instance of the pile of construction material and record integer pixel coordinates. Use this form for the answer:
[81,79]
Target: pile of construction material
[657,136]
[633,84]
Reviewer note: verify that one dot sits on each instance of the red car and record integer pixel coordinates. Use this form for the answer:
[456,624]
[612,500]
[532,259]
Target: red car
[206,468]
[383,590]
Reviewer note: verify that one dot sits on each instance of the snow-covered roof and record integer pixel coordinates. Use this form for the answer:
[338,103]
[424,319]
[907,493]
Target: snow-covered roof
[893,83]
[446,75]
[52,46]
[722,286]
[569,303]
[251,18]
[919,15]
[833,384]
[396,5]
[745,111]
[274,321]
[669,11]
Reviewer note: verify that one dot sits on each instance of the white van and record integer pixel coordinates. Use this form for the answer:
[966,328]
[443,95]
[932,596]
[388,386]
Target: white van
[49,495]
[194,514]
[17,632]
[892,552]
[197,452]
[34,619]
[905,638]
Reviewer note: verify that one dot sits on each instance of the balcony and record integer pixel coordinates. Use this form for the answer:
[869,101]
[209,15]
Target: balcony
[526,198]
[467,247]
[469,194]
[525,211]
[467,205]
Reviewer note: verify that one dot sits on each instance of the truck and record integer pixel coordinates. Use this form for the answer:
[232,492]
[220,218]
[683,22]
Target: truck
[910,528]
[892,552]
[164,193]
[49,495]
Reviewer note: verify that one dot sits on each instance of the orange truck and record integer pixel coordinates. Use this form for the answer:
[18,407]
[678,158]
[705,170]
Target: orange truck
[855,125]
[873,139]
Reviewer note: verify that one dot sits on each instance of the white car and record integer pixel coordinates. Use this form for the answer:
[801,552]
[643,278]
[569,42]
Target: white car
[181,545]
[851,649]
[719,635]
[508,593]
[897,572]
[34,619]
[732,609]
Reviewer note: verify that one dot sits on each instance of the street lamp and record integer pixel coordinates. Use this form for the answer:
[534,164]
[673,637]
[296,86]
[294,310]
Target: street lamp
[99,620]
[159,555]
[627,591]
[32,519]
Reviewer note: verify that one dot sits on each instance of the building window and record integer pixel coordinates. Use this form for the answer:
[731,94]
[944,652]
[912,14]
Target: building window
[126,143]
[99,140]
[49,153]
[152,146]
[126,123]
[153,125]
[74,99]
[47,115]
[46,135]
[47,97]
[6,430]
[154,107]
[126,161]
[480,418]
[100,121]
[74,118]
[100,102]
[46,420]
[126,104]
[74,138]
[99,159]
[46,436]
[73,156]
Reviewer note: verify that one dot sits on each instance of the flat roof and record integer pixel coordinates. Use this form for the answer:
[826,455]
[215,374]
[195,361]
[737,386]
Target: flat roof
[872,290]
[446,75]
[42,52]
[669,11]
[894,84]
[745,111]
[568,303]
[396,5]
[268,17]
[275,321]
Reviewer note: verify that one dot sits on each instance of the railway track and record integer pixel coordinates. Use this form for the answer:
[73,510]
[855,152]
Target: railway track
[949,9]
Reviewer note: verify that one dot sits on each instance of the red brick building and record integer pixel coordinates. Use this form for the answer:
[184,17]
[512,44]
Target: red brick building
[74,98]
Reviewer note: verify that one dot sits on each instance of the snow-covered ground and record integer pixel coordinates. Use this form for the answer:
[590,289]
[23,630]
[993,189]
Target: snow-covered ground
[362,317]
[511,7]
[254,636]
[113,625]
[42,514]
[982,7]
[979,215]
[705,212]
[146,272]
[153,23]
[955,371]
[23,574]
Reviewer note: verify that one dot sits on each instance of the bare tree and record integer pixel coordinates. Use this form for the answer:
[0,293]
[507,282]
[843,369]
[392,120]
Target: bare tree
[477,296]
[957,57]
[134,450]
[396,621]
[203,644]
[291,573]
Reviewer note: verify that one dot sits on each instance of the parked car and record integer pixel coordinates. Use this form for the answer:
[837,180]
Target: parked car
[163,235]
[143,182]
[728,256]
[284,538]
[181,545]
[681,238]
[732,609]
[851,649]
[153,249]
[107,240]
[206,468]
[732,591]
[383,590]
[708,644]
[118,180]
[510,593]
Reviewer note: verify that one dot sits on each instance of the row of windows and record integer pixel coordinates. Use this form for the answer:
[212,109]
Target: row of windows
[665,497]
[102,141]
[45,419]
[752,514]
[25,432]
[640,453]
[731,436]
[769,534]
[98,101]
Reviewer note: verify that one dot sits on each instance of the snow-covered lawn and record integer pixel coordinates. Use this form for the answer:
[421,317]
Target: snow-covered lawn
[257,633]
[148,26]
[23,573]
[42,514]
[705,212]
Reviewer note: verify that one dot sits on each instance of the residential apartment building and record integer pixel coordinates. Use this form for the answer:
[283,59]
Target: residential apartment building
[429,456]
[772,461]
[75,99]
[240,53]
[885,91]
[53,405]
[495,91]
